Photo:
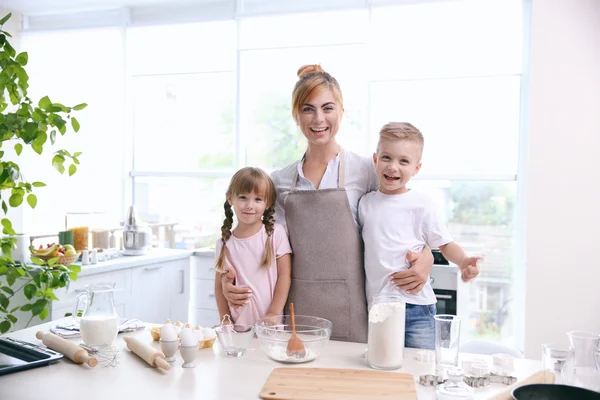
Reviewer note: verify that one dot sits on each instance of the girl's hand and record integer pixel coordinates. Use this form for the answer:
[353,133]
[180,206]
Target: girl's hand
[413,279]
[469,268]
[236,296]
[272,319]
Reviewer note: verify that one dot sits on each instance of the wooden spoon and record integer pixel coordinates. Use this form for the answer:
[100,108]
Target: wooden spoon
[295,347]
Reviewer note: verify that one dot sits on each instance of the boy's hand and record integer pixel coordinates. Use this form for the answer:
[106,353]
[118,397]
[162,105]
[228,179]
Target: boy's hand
[413,279]
[469,268]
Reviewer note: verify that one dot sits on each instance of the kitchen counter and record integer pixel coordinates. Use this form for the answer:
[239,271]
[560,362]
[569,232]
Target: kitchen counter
[215,376]
[154,256]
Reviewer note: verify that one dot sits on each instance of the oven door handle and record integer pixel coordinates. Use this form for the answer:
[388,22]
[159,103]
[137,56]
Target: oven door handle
[443,296]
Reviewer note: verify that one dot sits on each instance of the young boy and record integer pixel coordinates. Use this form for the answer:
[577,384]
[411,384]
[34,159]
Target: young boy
[395,220]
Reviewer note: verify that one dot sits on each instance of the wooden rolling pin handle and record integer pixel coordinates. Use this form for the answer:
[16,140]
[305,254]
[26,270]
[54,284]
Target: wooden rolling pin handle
[146,353]
[66,348]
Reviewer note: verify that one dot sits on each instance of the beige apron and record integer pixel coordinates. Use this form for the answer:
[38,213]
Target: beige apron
[328,278]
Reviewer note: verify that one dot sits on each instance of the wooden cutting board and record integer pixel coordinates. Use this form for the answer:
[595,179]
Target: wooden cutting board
[329,384]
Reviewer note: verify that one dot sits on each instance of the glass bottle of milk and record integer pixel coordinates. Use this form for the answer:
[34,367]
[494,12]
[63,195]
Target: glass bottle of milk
[99,322]
[386,332]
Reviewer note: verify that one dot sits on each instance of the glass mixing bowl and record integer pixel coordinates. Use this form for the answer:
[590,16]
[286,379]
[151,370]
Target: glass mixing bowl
[273,336]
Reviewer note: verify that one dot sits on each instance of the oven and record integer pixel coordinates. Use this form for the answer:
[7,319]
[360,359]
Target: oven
[444,281]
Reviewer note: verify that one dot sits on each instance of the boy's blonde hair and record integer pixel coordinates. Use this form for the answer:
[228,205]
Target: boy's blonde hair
[400,131]
[248,180]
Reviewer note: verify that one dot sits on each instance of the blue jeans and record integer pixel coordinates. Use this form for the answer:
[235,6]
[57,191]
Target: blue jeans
[420,326]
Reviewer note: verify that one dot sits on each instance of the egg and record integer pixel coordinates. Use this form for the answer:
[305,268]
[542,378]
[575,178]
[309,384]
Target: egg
[188,338]
[178,327]
[198,332]
[168,333]
[208,333]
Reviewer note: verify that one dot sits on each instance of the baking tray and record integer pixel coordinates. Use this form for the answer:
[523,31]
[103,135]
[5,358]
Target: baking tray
[17,355]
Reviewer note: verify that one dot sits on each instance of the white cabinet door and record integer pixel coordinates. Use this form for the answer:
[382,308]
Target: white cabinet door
[178,278]
[150,293]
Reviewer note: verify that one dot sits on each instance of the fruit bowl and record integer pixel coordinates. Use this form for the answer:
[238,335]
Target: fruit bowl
[64,260]
[274,337]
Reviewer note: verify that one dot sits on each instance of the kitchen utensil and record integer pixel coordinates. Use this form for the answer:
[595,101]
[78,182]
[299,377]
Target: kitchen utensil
[454,387]
[582,370]
[169,349]
[274,337]
[18,355]
[335,384]
[295,347]
[68,349]
[553,392]
[555,357]
[99,322]
[447,338]
[188,353]
[107,355]
[544,376]
[136,238]
[386,331]
[234,338]
[154,358]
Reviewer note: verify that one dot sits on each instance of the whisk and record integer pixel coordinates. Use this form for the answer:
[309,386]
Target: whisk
[107,355]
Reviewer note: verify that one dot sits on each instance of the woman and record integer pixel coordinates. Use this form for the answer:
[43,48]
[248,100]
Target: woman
[318,200]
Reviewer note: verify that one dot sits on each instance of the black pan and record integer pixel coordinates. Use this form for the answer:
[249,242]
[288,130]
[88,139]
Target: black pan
[553,392]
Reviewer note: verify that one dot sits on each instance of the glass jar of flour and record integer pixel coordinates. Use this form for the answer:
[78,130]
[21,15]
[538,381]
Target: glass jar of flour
[386,332]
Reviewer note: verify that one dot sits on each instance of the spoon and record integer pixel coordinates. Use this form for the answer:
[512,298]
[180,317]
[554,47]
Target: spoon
[295,347]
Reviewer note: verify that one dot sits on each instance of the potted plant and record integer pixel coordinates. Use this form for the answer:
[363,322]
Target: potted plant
[25,123]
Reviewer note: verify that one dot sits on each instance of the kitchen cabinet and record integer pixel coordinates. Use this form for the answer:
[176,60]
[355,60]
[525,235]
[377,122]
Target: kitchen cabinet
[157,289]
[204,289]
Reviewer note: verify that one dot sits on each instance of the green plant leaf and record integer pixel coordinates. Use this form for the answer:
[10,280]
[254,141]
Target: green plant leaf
[27,307]
[15,200]
[3,300]
[72,169]
[7,227]
[22,58]
[5,18]
[12,318]
[29,291]
[38,184]
[44,102]
[80,106]
[4,207]
[74,268]
[4,326]
[15,309]
[53,261]
[11,279]
[32,200]
[7,290]
[39,306]
[75,124]
[77,154]
[73,276]
[53,136]
[44,314]
[18,148]
[37,261]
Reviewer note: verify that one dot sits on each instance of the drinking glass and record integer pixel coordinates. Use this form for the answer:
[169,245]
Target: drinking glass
[584,372]
[447,337]
[555,357]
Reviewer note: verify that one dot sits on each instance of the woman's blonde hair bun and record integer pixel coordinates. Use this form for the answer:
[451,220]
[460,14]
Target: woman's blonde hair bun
[309,69]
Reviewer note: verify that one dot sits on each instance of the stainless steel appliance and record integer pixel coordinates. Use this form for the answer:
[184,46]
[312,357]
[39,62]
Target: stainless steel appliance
[136,238]
[444,281]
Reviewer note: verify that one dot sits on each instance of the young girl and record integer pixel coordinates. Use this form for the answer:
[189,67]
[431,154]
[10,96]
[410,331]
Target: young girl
[258,248]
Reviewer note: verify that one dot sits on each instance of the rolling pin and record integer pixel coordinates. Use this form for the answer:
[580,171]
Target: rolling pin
[545,376]
[147,353]
[66,348]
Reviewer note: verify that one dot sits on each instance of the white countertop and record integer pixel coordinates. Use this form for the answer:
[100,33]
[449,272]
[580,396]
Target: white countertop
[215,376]
[152,257]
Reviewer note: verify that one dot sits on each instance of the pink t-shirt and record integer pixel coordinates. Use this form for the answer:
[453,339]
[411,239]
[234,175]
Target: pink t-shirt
[246,256]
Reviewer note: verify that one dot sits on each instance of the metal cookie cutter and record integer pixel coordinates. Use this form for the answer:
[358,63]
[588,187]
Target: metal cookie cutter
[431,380]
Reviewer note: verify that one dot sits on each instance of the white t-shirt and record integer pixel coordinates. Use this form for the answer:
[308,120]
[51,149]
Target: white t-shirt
[359,179]
[391,226]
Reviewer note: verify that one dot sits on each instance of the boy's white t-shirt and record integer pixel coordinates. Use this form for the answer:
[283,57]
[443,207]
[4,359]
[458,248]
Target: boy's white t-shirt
[391,226]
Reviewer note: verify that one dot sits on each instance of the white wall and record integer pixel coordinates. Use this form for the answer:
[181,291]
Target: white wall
[563,175]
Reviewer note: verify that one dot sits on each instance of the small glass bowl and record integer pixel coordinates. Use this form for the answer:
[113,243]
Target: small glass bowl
[273,337]
[234,339]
